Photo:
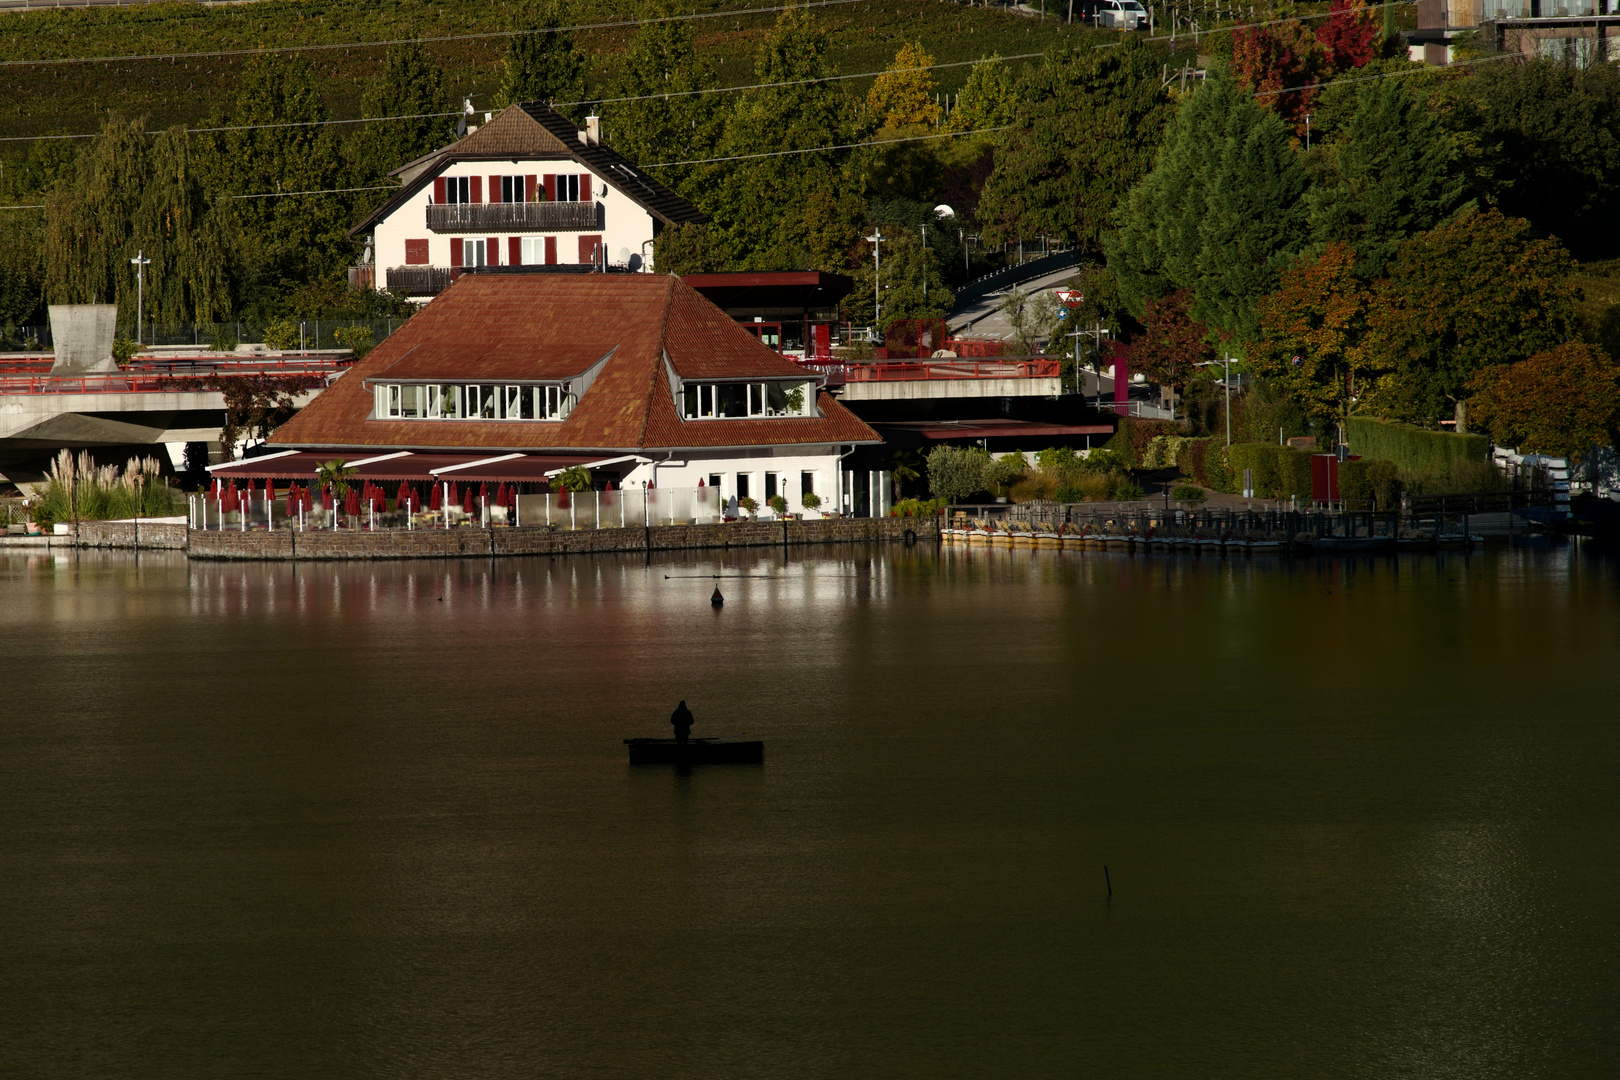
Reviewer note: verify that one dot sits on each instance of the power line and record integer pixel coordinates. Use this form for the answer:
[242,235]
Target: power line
[327,191]
[425,40]
[822,149]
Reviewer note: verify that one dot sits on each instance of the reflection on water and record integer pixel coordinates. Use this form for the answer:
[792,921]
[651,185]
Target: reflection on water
[374,819]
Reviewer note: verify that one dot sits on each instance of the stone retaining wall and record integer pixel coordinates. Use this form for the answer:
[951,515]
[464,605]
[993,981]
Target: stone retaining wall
[464,543]
[127,534]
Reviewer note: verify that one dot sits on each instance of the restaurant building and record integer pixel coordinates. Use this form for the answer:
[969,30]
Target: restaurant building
[511,375]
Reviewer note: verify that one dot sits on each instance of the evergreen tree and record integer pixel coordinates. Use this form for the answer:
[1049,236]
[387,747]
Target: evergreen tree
[905,94]
[132,194]
[288,240]
[1470,293]
[663,58]
[1393,177]
[1221,213]
[1082,134]
[542,66]
[410,84]
[987,100]
[1156,244]
[773,212]
[1253,223]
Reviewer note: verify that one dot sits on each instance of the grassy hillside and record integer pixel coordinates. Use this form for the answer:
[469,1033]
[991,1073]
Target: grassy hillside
[71,98]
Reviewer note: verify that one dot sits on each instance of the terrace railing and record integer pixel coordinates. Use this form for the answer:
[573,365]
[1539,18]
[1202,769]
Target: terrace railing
[419,280]
[515,217]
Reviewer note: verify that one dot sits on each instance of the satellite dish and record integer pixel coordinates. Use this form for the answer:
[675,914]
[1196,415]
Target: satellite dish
[624,256]
[942,212]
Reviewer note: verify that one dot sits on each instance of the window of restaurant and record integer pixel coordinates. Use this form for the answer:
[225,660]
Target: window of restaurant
[704,401]
[472,401]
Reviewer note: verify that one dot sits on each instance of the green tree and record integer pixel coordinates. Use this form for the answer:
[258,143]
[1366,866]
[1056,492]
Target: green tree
[1462,297]
[290,239]
[542,65]
[1563,402]
[1083,133]
[663,58]
[132,193]
[1554,133]
[766,210]
[1313,336]
[904,95]
[955,472]
[907,264]
[1393,176]
[1221,213]
[987,100]
[410,83]
[22,267]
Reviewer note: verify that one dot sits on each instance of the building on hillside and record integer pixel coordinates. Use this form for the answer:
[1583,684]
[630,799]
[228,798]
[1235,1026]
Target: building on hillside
[511,375]
[525,189]
[795,312]
[1579,33]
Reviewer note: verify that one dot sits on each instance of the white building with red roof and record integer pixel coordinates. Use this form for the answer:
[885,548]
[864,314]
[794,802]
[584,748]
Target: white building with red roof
[510,376]
[525,189]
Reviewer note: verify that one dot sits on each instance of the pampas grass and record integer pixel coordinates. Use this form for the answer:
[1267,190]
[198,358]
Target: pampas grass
[102,492]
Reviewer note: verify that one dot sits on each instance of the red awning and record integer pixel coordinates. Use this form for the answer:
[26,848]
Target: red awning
[405,465]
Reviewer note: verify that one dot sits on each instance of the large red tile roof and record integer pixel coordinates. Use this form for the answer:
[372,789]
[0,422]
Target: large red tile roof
[490,327]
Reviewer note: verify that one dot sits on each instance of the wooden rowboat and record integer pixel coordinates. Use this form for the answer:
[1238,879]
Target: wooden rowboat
[695,752]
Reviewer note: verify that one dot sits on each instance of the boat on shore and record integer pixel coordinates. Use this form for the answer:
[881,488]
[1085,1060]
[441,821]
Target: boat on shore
[710,751]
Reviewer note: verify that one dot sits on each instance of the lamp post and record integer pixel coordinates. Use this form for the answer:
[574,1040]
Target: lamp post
[876,240]
[141,263]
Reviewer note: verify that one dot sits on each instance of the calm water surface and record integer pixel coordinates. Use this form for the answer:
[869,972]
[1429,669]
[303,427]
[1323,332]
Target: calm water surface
[375,820]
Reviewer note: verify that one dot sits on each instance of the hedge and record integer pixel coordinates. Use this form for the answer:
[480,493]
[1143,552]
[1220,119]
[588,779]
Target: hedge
[1279,471]
[1132,439]
[1369,482]
[1414,450]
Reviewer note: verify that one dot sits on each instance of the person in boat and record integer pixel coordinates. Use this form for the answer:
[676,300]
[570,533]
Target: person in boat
[681,721]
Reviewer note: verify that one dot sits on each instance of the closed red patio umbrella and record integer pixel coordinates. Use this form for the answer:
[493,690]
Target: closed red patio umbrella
[467,501]
[437,502]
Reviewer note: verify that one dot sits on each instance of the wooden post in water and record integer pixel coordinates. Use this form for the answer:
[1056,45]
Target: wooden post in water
[1109,881]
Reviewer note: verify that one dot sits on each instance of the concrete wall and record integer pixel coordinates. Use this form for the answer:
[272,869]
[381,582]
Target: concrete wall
[83,337]
[126,534]
[486,543]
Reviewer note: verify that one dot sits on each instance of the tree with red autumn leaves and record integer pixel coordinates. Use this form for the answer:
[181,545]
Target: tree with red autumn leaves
[1283,64]
[1172,342]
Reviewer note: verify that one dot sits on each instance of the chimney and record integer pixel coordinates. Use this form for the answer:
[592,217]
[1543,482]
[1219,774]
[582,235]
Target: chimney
[592,135]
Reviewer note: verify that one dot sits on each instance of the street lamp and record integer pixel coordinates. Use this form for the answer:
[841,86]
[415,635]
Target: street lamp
[141,263]
[876,240]
[1226,380]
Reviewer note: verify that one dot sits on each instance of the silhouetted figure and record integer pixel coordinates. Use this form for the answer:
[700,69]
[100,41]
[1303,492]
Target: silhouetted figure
[681,721]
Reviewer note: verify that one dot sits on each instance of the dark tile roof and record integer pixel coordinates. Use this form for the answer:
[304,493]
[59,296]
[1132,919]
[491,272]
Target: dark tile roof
[535,130]
[545,326]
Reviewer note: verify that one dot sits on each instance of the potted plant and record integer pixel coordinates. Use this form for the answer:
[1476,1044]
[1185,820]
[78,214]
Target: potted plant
[747,506]
[811,502]
[778,505]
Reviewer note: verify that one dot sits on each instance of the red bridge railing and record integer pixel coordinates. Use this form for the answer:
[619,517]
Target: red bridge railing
[158,380]
[915,370]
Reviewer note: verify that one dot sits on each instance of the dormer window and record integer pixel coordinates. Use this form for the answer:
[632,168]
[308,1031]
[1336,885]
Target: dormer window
[744,400]
[472,401]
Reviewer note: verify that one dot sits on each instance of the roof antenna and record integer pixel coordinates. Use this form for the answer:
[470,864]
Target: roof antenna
[466,111]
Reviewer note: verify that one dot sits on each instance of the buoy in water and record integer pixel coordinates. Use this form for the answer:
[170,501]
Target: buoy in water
[716,600]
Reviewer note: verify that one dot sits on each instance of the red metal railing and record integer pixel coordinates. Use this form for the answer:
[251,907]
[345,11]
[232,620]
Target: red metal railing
[152,381]
[920,370]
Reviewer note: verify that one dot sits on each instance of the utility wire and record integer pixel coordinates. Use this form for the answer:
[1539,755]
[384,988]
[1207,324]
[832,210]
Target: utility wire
[427,40]
[822,149]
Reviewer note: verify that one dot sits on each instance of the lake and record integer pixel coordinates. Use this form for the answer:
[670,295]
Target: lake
[374,820]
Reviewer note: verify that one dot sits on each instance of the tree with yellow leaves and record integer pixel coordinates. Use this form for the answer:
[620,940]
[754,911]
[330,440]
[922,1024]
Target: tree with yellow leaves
[904,95]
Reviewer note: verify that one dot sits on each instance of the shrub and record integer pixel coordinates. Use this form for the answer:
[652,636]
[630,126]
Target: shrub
[222,340]
[573,478]
[747,505]
[1057,460]
[355,338]
[810,501]
[1103,459]
[918,508]
[124,350]
[1192,461]
[1187,493]
[281,335]
[1004,472]
[1374,484]
[779,505]
[1132,439]
[1165,451]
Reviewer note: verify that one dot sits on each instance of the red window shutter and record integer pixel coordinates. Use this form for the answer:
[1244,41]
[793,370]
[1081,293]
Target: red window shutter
[551,251]
[477,186]
[587,248]
[416,252]
[492,251]
[455,251]
[514,248]
[551,187]
[438,189]
[494,189]
[585,187]
[528,187]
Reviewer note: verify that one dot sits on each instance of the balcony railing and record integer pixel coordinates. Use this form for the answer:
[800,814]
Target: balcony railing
[514,217]
[419,280]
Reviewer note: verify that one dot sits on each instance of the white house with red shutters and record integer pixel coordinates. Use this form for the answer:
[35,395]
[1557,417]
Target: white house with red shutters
[527,188]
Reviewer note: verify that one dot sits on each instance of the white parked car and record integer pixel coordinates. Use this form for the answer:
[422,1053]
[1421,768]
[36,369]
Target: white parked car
[1121,14]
